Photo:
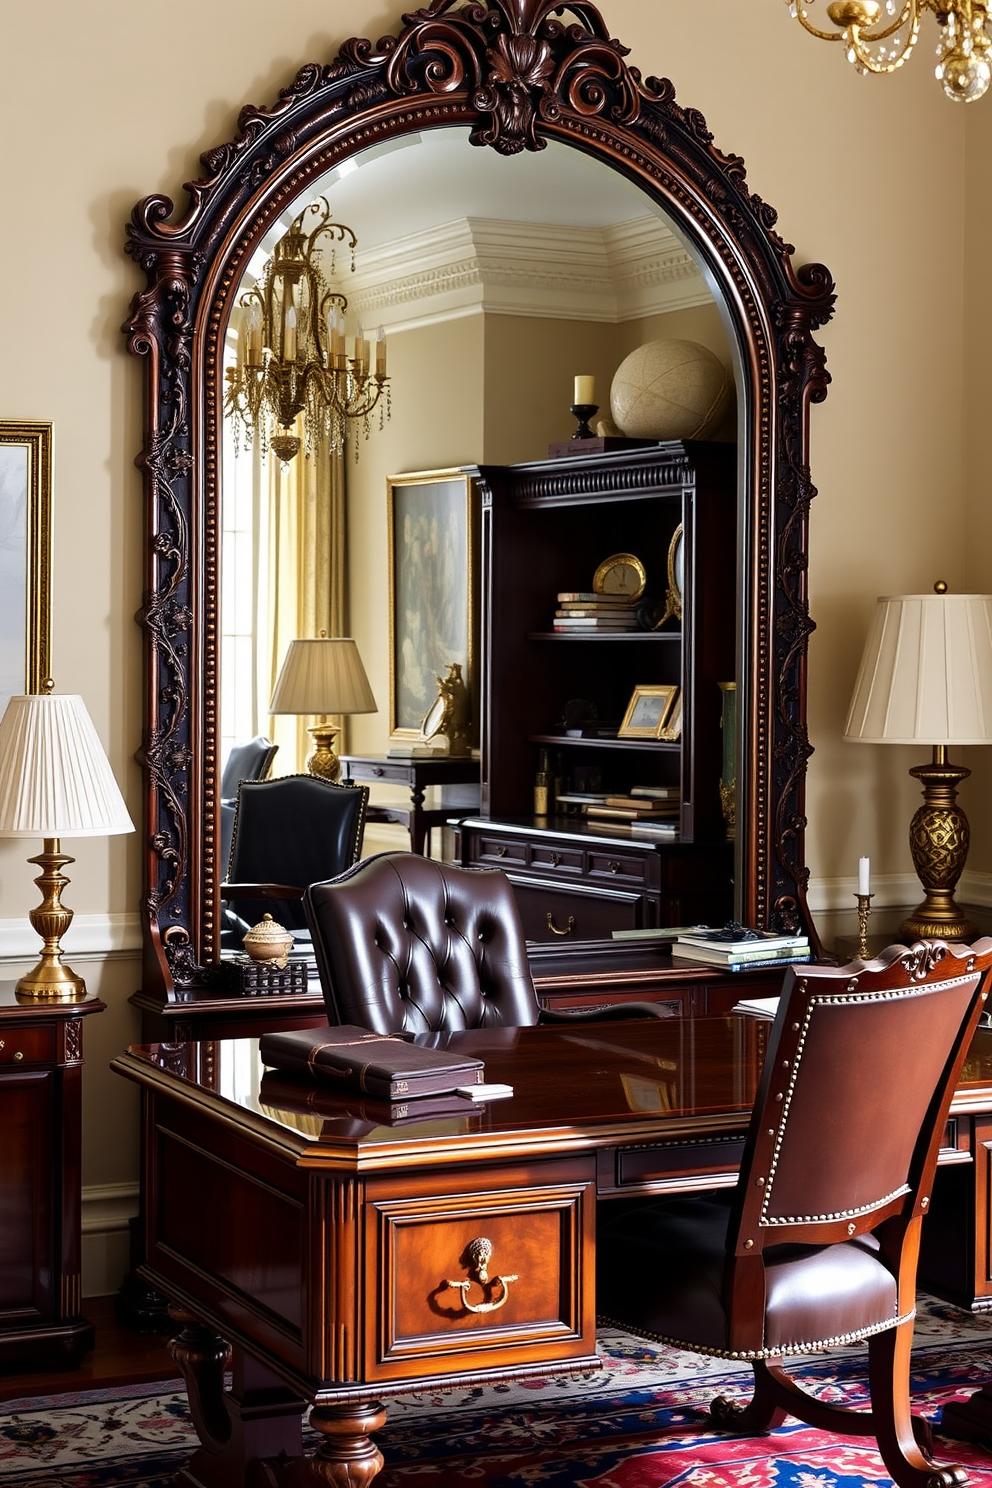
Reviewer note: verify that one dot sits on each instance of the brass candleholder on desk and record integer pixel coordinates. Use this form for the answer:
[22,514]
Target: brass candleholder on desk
[864,910]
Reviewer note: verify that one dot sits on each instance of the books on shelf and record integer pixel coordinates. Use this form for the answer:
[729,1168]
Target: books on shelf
[583,598]
[592,623]
[648,805]
[657,792]
[660,830]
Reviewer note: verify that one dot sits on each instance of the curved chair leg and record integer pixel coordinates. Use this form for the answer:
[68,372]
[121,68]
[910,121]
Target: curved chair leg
[762,1413]
[893,1425]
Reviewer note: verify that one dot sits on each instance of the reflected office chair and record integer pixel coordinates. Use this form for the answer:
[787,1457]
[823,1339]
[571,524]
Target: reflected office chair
[818,1244]
[251,761]
[405,944]
[288,833]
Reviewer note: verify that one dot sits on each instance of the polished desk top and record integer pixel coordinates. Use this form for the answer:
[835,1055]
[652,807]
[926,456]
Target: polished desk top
[581,1087]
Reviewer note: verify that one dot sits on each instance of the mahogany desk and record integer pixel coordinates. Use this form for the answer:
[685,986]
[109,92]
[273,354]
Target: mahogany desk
[331,1250]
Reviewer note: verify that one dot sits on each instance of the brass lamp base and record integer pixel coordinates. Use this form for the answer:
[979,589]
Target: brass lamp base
[323,762]
[939,838]
[51,980]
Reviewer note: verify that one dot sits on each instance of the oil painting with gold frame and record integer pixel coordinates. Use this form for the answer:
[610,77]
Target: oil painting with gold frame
[647,712]
[433,528]
[25,557]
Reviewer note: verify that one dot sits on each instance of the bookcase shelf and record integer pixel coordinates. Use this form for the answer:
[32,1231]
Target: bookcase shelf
[546,528]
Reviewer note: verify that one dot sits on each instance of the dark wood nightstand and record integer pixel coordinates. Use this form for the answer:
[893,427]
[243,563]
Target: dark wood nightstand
[41,1068]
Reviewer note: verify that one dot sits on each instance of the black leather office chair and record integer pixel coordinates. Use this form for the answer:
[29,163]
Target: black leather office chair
[251,761]
[817,1246]
[408,945]
[289,833]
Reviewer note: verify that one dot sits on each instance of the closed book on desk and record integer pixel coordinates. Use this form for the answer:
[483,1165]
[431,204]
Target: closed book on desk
[302,1097]
[376,1064]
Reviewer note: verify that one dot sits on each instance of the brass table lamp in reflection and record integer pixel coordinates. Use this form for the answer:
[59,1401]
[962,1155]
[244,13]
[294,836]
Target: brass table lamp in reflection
[926,677]
[323,676]
[55,781]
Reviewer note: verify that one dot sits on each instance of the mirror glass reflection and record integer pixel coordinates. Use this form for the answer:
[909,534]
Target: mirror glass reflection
[496,282]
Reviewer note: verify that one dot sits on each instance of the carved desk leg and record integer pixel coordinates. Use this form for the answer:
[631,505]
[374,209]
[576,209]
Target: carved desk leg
[347,1457]
[247,1433]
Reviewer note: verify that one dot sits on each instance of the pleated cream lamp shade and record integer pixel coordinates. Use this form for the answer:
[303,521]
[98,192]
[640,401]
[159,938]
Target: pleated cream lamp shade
[926,677]
[55,781]
[320,676]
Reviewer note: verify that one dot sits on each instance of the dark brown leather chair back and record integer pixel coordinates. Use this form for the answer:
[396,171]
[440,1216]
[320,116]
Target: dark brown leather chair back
[854,1094]
[408,945]
[289,833]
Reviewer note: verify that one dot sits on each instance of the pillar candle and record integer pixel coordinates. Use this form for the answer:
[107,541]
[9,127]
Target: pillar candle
[864,881]
[585,391]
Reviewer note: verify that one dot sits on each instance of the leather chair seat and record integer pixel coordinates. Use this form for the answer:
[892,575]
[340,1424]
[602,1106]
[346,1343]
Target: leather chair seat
[669,1258]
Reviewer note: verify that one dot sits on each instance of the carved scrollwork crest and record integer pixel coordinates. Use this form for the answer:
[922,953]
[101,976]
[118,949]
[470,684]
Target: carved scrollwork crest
[920,959]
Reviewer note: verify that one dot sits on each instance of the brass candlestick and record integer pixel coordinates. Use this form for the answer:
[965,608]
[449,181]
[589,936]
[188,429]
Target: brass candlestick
[864,910]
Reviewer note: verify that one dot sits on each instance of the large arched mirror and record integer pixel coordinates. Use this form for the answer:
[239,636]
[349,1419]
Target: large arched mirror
[386,132]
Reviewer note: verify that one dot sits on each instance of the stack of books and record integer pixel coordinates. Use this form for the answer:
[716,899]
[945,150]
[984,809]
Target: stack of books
[737,949]
[593,614]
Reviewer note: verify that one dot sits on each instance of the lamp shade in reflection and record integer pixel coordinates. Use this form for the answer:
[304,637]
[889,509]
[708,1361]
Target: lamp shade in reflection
[926,677]
[926,672]
[322,676]
[55,781]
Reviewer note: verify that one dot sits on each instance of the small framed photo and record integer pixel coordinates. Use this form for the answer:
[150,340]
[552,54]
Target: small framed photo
[25,557]
[648,712]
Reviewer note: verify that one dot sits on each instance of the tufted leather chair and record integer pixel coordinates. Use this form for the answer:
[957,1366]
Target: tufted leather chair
[288,833]
[817,1246]
[251,761]
[408,945]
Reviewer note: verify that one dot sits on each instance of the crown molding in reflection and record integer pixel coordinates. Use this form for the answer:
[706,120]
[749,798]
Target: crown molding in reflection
[90,935]
[472,265]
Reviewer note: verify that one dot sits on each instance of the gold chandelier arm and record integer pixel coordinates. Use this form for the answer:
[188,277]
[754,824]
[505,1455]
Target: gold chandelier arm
[854,31]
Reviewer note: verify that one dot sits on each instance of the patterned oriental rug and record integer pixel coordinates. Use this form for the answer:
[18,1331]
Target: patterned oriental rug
[634,1424]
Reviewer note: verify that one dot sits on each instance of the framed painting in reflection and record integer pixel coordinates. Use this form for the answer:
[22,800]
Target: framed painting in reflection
[433,607]
[25,557]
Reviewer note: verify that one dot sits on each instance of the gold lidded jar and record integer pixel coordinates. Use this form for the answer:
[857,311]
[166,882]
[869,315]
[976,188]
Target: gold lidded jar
[268,941]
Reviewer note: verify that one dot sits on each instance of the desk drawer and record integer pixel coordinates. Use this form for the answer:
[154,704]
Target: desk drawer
[574,911]
[440,1258]
[28,1045]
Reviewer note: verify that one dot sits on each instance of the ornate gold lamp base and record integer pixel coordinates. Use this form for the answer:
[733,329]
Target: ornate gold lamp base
[51,980]
[323,761]
[939,838]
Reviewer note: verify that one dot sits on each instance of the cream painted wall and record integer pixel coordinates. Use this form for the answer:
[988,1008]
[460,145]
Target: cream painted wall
[104,104]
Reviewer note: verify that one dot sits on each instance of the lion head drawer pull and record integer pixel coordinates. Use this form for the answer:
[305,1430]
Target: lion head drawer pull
[478,1254]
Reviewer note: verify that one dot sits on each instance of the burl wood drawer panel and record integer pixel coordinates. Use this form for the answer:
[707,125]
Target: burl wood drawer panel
[484,1280]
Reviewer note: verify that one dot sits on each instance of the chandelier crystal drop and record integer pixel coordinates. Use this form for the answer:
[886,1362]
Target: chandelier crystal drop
[293,354]
[880,39]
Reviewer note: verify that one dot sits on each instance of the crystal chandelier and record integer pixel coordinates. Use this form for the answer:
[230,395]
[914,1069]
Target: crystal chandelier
[879,38]
[293,355]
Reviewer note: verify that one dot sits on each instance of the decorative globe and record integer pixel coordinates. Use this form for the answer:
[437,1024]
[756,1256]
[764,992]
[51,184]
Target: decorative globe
[670,390]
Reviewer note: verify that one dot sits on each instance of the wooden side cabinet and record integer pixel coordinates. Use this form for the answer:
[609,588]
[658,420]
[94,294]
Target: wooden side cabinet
[41,1066]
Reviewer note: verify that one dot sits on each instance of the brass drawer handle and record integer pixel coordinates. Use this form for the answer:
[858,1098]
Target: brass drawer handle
[18,1054]
[554,928]
[613,866]
[478,1254]
[499,852]
[555,859]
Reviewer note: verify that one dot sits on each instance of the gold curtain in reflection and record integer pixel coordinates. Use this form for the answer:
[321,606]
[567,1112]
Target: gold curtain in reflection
[301,579]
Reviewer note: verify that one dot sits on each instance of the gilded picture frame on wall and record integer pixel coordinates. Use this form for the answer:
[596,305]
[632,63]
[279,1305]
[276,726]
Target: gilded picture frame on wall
[25,557]
[433,527]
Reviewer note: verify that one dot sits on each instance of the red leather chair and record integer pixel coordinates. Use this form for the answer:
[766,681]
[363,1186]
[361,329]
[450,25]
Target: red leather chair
[818,1243]
[408,945]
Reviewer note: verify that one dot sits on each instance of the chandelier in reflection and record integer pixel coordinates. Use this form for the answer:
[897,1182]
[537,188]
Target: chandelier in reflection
[293,356]
[880,37]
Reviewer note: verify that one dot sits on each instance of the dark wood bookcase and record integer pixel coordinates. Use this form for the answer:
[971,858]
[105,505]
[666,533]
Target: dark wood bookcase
[546,527]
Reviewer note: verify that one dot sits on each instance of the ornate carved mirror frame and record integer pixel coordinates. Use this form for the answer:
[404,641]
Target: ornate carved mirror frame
[518,73]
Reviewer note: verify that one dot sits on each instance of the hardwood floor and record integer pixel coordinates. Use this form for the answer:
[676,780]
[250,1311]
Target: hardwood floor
[119,1357]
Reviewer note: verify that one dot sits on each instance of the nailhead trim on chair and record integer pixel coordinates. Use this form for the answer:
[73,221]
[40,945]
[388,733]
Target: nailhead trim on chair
[767,1221]
[775,1353]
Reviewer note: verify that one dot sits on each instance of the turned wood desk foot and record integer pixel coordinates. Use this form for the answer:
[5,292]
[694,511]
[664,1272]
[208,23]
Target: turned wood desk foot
[347,1457]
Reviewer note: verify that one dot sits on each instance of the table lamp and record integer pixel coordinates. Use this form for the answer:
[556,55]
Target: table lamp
[926,677]
[55,781]
[322,676]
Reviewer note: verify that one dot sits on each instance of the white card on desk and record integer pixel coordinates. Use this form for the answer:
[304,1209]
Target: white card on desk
[484,1092]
